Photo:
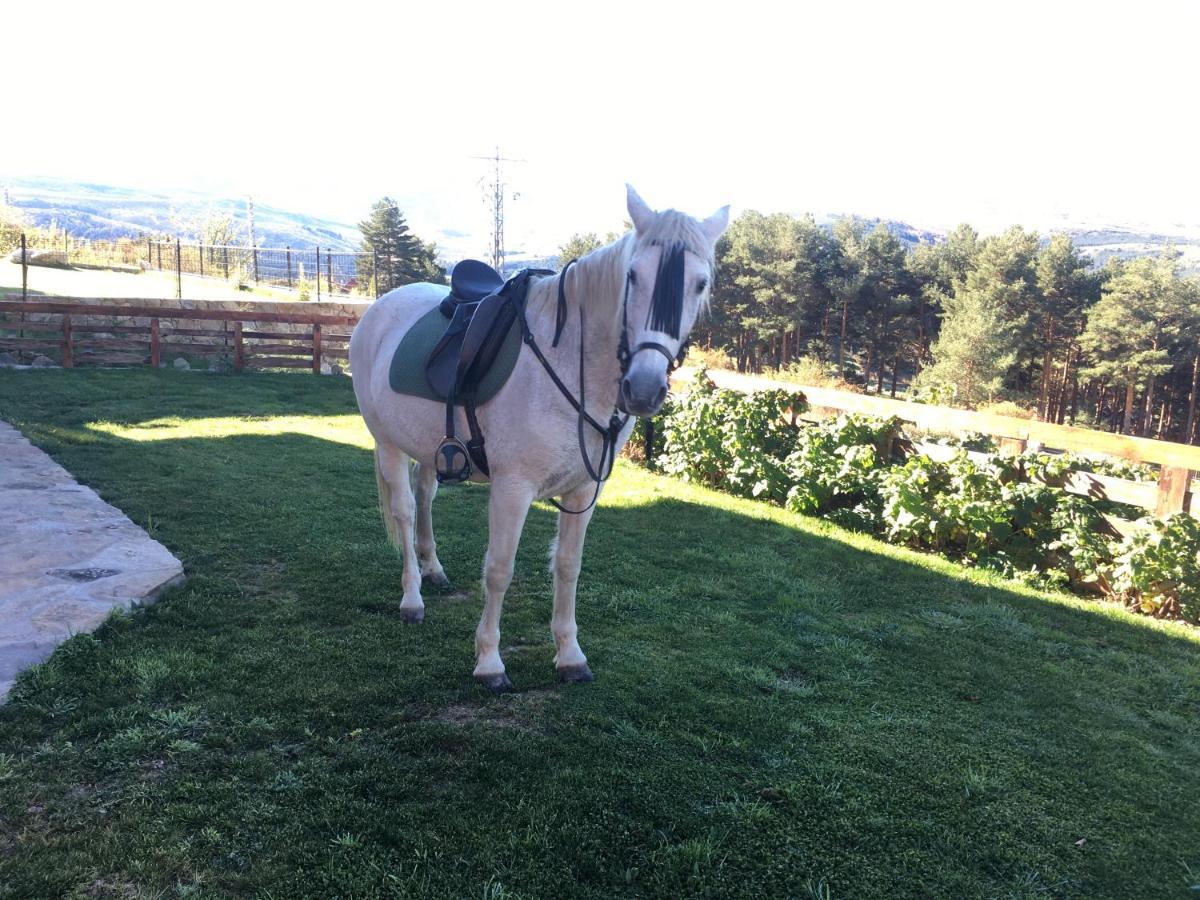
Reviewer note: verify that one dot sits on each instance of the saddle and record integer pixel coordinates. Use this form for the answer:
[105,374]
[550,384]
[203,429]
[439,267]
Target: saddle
[482,309]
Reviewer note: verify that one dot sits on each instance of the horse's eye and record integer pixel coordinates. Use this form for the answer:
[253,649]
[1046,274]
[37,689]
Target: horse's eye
[633,277]
[703,283]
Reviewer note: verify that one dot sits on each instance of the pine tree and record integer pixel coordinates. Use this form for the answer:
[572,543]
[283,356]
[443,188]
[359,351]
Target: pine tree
[975,348]
[1130,330]
[402,257]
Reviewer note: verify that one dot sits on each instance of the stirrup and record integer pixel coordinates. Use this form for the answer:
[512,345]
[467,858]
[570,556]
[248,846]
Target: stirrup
[452,462]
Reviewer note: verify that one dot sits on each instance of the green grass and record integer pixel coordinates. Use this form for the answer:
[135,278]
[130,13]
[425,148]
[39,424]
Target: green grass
[781,708]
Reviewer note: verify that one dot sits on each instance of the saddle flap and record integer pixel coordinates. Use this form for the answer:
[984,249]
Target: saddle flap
[485,334]
[441,369]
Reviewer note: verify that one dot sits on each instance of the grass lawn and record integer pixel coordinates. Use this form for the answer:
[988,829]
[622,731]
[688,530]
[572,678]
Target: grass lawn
[781,708]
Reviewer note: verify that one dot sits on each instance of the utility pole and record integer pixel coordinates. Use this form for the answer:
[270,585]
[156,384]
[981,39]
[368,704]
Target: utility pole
[494,192]
[250,222]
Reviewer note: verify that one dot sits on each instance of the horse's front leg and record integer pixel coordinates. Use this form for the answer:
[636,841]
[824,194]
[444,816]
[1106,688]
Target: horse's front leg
[568,557]
[507,508]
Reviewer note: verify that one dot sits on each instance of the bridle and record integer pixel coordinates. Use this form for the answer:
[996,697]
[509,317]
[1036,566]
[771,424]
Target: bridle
[619,417]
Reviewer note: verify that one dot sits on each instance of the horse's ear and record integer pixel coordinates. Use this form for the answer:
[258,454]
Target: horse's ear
[714,226]
[641,214]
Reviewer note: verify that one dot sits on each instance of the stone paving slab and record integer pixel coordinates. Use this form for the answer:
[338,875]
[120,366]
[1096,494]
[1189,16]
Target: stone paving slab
[67,558]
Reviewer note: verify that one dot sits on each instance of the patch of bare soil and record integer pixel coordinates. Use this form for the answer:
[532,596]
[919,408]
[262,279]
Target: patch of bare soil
[519,711]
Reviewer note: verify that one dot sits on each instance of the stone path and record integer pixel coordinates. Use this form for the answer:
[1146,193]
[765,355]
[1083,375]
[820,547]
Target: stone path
[67,558]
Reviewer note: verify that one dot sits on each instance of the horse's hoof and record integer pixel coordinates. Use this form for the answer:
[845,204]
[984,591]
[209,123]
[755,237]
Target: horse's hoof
[412,616]
[437,580]
[578,673]
[497,684]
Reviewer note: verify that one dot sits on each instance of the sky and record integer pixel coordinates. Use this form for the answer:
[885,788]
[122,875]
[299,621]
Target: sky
[931,113]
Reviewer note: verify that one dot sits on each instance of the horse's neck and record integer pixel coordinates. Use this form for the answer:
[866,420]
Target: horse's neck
[596,283]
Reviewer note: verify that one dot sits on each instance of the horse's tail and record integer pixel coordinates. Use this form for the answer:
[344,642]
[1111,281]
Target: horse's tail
[385,505]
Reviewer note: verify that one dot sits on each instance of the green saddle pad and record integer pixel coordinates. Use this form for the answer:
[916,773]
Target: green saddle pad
[407,372]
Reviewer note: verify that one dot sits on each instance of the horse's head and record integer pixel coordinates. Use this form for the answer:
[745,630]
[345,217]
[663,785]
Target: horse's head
[666,285]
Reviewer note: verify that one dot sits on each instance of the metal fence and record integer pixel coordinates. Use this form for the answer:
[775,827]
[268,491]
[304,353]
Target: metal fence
[313,273]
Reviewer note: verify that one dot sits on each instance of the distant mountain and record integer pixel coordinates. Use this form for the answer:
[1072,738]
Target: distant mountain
[99,211]
[909,235]
[1102,243]
[104,212]
[1099,243]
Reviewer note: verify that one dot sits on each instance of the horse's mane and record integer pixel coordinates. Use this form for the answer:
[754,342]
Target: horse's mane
[603,270]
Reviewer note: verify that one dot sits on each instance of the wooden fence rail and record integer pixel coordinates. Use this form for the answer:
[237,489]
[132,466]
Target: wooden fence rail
[70,328]
[1178,462]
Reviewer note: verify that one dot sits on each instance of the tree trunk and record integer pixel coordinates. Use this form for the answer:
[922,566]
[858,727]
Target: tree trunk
[1047,365]
[922,346]
[1191,417]
[1074,395]
[895,371]
[842,340]
[1128,423]
[1148,412]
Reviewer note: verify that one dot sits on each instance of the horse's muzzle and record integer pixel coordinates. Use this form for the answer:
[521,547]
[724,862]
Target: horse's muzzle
[643,396]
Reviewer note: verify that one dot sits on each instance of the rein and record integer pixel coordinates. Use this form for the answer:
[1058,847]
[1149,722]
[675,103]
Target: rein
[610,432]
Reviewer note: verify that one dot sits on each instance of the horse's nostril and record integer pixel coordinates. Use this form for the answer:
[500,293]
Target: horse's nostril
[626,390]
[660,396]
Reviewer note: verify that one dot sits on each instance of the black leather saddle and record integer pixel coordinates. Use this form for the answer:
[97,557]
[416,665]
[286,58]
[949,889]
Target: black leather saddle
[482,308]
[471,280]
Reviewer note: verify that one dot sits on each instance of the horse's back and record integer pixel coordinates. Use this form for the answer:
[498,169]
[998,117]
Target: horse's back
[384,323]
[377,335]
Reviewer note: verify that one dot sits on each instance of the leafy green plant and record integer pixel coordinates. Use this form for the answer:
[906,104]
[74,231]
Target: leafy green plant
[1010,514]
[1158,567]
[731,440]
[834,462]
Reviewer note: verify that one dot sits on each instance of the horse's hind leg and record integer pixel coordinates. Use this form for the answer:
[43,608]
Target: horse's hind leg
[393,475]
[431,568]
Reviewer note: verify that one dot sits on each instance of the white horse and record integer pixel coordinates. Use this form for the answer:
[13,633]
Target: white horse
[629,308]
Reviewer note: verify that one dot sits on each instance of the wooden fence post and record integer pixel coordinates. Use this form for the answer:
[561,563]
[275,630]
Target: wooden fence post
[1172,490]
[316,344]
[155,344]
[1011,446]
[239,349]
[68,349]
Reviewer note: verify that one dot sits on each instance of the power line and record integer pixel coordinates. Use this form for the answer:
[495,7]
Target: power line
[496,192]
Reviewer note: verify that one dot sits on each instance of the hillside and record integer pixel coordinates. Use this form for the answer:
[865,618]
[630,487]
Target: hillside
[98,211]
[104,212]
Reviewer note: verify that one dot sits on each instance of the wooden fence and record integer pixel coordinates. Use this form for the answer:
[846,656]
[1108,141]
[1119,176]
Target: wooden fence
[1170,494]
[98,332]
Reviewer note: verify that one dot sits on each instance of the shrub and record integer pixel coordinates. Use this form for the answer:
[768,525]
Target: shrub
[1158,567]
[974,507]
[731,440]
